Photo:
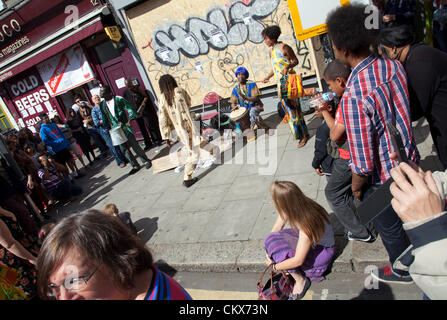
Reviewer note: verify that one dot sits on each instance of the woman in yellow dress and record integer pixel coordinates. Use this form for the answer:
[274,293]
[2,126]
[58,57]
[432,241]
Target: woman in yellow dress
[283,62]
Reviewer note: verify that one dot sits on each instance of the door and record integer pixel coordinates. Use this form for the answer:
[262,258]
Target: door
[116,74]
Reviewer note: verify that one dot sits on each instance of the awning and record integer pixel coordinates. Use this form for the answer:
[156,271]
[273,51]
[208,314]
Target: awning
[67,40]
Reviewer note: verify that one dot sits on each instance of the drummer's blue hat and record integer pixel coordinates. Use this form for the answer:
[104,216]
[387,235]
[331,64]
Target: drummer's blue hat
[243,71]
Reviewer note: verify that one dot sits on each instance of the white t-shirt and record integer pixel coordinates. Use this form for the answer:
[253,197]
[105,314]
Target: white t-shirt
[111,106]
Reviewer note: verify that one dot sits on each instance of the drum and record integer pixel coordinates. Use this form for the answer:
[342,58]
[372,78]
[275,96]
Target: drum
[118,136]
[242,116]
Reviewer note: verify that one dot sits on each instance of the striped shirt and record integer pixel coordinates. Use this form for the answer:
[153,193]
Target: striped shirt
[163,287]
[376,93]
[53,180]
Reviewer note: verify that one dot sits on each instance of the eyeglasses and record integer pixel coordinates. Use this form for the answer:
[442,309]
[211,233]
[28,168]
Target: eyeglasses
[70,284]
[78,101]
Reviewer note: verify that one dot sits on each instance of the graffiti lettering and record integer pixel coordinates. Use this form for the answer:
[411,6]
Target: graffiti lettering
[199,35]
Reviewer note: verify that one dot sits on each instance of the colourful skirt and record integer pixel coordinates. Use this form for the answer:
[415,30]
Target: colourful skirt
[281,245]
[295,118]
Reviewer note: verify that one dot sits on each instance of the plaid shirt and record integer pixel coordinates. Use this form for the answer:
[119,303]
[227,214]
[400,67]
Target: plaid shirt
[376,92]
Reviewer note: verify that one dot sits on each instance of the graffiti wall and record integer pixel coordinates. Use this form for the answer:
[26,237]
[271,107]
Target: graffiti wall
[202,42]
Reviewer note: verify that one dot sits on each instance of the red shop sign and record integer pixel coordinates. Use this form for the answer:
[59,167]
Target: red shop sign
[32,21]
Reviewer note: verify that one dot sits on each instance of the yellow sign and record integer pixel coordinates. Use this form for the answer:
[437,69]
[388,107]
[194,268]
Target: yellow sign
[113,33]
[309,17]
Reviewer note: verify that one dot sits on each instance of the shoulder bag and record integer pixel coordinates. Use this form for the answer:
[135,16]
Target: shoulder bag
[278,287]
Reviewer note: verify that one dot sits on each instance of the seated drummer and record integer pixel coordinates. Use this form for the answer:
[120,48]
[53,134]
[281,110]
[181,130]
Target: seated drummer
[246,94]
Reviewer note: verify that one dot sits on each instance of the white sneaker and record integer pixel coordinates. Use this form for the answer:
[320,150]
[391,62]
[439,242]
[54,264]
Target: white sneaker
[352,238]
[179,169]
[199,165]
[208,163]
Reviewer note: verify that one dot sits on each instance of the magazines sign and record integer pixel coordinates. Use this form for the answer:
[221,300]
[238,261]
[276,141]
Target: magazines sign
[65,71]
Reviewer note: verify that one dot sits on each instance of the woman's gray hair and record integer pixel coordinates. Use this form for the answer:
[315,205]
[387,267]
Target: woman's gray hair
[102,239]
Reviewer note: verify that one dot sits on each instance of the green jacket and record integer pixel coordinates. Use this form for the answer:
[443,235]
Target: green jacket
[120,119]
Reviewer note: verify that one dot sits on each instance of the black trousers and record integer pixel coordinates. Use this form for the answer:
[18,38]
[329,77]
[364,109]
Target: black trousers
[151,136]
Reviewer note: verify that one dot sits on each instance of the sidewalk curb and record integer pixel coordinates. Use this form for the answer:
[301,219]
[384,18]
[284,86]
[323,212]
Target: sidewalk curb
[248,256]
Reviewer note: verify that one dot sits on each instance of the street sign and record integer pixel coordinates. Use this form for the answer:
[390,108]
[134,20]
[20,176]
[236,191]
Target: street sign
[309,17]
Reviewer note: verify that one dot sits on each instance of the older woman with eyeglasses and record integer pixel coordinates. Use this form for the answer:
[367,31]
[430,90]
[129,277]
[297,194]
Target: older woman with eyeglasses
[92,255]
[426,69]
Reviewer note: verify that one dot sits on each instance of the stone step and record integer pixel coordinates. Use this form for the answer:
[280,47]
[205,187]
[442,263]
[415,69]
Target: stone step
[248,256]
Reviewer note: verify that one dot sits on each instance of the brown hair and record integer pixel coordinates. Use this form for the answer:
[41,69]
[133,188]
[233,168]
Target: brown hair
[101,239]
[300,211]
[111,209]
[167,85]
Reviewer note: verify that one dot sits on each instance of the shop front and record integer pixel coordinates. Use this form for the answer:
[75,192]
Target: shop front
[56,51]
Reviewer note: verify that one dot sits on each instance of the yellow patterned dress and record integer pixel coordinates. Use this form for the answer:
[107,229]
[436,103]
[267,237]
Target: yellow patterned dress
[294,115]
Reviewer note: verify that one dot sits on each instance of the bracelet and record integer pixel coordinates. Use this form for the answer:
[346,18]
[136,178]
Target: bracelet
[274,268]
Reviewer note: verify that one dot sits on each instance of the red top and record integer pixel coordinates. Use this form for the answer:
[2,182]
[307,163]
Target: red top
[344,154]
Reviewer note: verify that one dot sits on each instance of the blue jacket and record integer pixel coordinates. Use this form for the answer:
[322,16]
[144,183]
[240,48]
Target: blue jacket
[53,138]
[97,116]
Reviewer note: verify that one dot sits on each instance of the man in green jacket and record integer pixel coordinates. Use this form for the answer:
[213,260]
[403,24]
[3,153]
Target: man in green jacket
[113,109]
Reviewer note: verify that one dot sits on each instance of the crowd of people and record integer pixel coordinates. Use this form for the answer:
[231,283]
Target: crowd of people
[378,77]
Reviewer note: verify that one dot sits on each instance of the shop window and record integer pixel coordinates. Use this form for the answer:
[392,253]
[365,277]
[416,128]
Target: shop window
[106,52]
[4,122]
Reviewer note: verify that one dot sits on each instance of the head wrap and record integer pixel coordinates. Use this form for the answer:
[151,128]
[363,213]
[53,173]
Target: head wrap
[243,71]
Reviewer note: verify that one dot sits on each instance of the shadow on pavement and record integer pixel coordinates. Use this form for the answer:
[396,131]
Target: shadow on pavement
[422,131]
[431,163]
[383,292]
[146,228]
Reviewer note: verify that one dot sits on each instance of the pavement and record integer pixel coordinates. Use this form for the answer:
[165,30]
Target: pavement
[218,224]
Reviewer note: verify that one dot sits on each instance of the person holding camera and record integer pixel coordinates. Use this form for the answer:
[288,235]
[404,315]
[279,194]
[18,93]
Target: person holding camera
[419,200]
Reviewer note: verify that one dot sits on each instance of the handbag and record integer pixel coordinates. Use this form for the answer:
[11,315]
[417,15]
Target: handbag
[290,86]
[278,287]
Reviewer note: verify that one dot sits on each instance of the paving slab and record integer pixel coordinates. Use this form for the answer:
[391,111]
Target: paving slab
[248,187]
[206,198]
[233,220]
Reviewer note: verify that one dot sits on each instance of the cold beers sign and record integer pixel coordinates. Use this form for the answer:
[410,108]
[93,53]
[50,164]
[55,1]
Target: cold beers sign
[30,98]
[65,71]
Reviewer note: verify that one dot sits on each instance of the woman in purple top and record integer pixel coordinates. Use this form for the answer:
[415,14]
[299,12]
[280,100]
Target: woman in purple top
[305,250]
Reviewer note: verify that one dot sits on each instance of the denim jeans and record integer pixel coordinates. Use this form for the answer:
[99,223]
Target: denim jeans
[132,143]
[340,198]
[94,133]
[66,189]
[117,154]
[390,229]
